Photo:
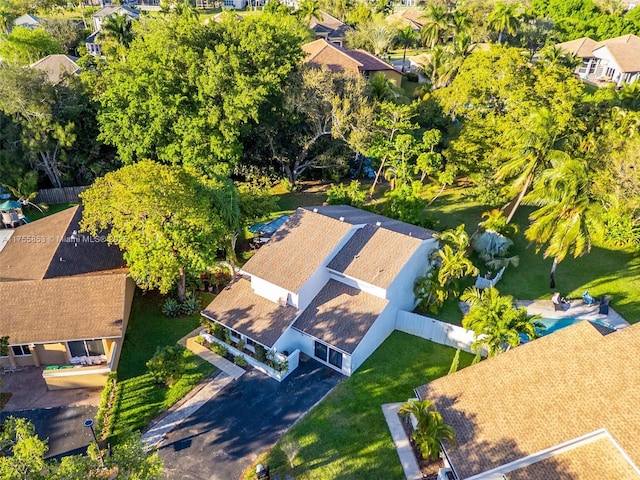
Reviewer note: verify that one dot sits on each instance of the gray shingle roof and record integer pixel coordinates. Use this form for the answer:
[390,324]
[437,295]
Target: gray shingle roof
[340,315]
[542,394]
[239,308]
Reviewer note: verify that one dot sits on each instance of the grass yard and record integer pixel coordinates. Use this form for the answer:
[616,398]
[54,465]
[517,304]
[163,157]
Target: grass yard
[346,436]
[139,399]
[602,271]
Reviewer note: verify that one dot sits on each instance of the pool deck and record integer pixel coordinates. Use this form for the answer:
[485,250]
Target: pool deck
[577,309]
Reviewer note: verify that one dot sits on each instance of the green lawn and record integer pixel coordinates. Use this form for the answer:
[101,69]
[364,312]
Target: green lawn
[602,271]
[35,214]
[346,436]
[139,399]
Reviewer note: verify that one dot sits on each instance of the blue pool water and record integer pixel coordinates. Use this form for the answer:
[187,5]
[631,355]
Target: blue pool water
[555,324]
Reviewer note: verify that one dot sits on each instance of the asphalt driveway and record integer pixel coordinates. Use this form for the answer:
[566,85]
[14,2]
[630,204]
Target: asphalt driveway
[243,420]
[62,426]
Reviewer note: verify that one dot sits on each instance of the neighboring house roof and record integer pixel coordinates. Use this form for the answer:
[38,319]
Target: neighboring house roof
[297,249]
[340,315]
[355,216]
[239,308]
[412,17]
[27,20]
[540,395]
[119,9]
[44,249]
[625,50]
[329,25]
[63,309]
[581,47]
[375,255]
[57,67]
[337,59]
[93,37]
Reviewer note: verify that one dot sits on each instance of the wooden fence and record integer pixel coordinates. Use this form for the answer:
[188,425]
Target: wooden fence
[435,330]
[51,196]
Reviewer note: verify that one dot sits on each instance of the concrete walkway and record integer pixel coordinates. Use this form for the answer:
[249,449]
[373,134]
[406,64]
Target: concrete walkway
[577,309]
[176,415]
[403,447]
[230,368]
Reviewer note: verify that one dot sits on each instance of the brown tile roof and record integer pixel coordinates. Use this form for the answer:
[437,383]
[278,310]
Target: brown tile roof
[62,309]
[625,50]
[356,216]
[375,255]
[56,67]
[239,308]
[581,47]
[337,59]
[340,315]
[43,249]
[541,394]
[297,249]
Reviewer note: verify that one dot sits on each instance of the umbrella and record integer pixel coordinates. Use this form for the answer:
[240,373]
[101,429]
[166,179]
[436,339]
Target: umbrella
[10,205]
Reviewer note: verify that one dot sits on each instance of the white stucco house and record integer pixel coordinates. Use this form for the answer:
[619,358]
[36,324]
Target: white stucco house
[328,284]
[615,60]
[98,18]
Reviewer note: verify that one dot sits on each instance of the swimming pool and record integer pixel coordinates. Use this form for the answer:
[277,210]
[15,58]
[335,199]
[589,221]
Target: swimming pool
[555,324]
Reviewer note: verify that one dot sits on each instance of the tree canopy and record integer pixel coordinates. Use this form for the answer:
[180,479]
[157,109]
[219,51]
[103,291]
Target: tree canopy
[162,217]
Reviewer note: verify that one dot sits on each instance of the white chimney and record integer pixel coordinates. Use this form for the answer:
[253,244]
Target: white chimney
[378,224]
[315,210]
[342,219]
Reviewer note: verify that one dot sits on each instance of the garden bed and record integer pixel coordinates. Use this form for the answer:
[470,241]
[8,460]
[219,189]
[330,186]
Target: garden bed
[428,468]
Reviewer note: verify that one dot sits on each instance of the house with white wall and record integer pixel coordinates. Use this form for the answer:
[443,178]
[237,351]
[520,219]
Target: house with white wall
[98,19]
[616,60]
[329,284]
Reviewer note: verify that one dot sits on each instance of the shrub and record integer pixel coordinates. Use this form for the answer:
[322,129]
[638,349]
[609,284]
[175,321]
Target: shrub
[240,361]
[351,195]
[171,307]
[411,76]
[166,365]
[190,305]
[240,345]
[4,346]
[199,340]
[219,349]
[261,354]
[220,332]
[104,418]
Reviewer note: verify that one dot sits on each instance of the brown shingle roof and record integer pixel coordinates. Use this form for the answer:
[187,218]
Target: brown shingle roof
[375,255]
[43,249]
[539,395]
[337,59]
[297,249]
[340,315]
[56,67]
[329,24]
[239,308]
[355,216]
[581,47]
[61,309]
[625,50]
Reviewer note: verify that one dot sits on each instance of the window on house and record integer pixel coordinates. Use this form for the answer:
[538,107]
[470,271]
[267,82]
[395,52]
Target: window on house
[86,348]
[20,350]
[335,358]
[229,3]
[320,351]
[250,342]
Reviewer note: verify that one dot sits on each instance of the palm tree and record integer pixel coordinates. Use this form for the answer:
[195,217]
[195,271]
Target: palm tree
[431,429]
[461,22]
[7,16]
[552,56]
[505,18]
[309,9]
[118,27]
[405,37]
[435,66]
[380,38]
[497,323]
[382,89]
[560,222]
[25,191]
[436,21]
[537,144]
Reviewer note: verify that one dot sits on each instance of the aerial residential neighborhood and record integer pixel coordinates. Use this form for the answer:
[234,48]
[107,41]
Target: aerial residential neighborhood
[299,240]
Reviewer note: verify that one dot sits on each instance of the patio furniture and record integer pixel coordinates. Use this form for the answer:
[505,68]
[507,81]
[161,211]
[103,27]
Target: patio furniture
[8,220]
[483,282]
[588,299]
[604,306]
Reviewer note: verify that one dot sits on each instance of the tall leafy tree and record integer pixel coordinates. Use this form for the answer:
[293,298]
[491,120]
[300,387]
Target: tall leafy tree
[496,321]
[562,195]
[505,19]
[164,218]
[24,45]
[309,9]
[185,91]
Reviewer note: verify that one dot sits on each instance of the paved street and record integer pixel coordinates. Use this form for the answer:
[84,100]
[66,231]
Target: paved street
[243,420]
